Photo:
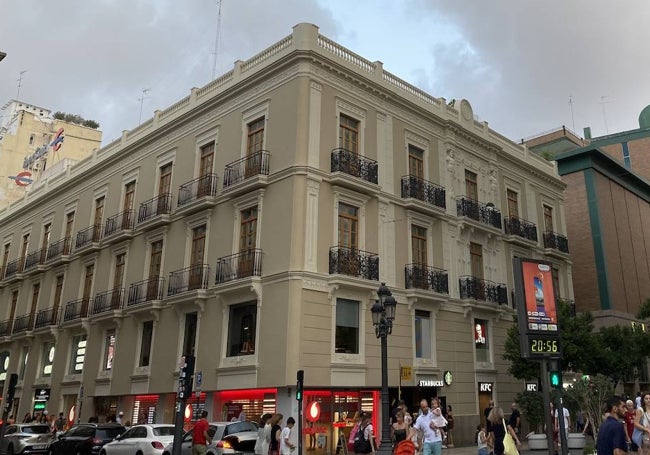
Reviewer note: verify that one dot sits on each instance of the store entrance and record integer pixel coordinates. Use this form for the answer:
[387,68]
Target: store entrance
[484,398]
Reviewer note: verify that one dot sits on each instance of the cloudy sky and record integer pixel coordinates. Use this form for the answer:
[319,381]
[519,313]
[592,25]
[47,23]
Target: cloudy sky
[517,61]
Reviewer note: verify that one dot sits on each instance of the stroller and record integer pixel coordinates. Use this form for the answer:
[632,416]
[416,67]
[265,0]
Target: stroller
[405,447]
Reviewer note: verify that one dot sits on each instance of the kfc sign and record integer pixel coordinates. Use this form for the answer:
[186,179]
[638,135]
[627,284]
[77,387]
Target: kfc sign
[485,387]
[531,387]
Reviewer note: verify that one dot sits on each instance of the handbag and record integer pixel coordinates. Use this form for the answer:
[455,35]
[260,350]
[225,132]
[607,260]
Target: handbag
[509,446]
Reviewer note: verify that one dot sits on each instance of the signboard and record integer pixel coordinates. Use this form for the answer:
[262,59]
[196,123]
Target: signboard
[531,387]
[539,332]
[485,387]
[41,394]
[430,383]
[406,373]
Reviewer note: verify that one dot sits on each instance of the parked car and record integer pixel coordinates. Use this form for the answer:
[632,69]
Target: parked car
[26,438]
[225,438]
[141,439]
[85,439]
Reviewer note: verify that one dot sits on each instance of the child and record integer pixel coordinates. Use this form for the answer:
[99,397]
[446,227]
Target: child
[438,421]
[481,440]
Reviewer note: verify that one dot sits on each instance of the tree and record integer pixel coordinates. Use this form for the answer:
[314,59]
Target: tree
[590,394]
[644,310]
[532,406]
[519,368]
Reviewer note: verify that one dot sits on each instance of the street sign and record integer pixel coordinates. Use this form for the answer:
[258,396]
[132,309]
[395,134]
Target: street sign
[198,377]
[406,373]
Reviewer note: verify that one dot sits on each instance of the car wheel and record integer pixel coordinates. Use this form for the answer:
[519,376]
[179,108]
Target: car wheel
[139,453]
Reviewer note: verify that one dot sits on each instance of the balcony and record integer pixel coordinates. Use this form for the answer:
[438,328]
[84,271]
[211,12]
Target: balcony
[353,262]
[23,323]
[241,265]
[35,258]
[189,279]
[485,214]
[59,251]
[76,309]
[420,276]
[479,289]
[146,291]
[46,317]
[197,194]
[13,268]
[88,239]
[119,226]
[248,173]
[365,170]
[421,190]
[155,212]
[5,328]
[517,228]
[556,243]
[107,301]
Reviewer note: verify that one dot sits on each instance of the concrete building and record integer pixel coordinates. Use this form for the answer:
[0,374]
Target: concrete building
[35,146]
[251,223]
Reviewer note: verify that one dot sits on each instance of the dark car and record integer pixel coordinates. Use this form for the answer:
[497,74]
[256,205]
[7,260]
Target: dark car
[26,438]
[85,439]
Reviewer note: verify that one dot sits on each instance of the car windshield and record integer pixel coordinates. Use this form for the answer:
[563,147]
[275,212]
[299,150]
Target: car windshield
[238,427]
[36,429]
[109,433]
[163,431]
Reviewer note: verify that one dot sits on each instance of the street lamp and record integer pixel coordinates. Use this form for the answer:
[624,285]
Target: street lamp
[383,315]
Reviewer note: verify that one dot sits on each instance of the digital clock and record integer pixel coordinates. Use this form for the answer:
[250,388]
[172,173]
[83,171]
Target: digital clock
[544,346]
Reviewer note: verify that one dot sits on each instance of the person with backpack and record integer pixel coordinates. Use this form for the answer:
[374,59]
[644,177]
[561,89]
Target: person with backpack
[364,439]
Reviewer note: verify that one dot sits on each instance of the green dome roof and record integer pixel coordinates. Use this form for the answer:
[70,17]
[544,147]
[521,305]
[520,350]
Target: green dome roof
[644,118]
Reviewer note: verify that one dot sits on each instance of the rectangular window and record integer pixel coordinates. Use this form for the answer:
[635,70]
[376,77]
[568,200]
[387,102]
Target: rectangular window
[198,245]
[348,133]
[88,281]
[189,337]
[513,204]
[555,275]
[118,276]
[471,185]
[165,182]
[129,196]
[5,255]
[481,340]
[47,231]
[347,327]
[419,245]
[99,211]
[78,354]
[416,162]
[145,345]
[14,302]
[24,355]
[476,259]
[47,359]
[348,226]
[627,162]
[36,290]
[25,246]
[422,334]
[58,292]
[69,224]
[207,159]
[109,349]
[241,329]
[248,229]
[548,219]
[255,140]
[155,260]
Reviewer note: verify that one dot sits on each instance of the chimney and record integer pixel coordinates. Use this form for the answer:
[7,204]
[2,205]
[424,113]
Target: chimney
[587,132]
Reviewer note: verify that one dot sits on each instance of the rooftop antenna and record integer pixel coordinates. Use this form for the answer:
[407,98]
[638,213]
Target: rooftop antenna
[573,120]
[20,80]
[215,53]
[141,99]
[602,105]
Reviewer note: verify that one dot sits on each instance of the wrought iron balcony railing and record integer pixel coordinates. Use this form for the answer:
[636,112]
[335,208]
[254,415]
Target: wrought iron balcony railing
[424,191]
[521,228]
[257,163]
[76,309]
[110,300]
[556,241]
[59,248]
[421,276]
[483,213]
[5,327]
[35,258]
[188,279]
[23,324]
[353,262]
[146,291]
[241,265]
[479,289]
[46,317]
[355,165]
[196,189]
[160,205]
[14,267]
[122,221]
[91,234]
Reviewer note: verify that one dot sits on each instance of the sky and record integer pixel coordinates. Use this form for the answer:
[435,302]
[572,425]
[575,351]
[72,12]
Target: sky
[518,62]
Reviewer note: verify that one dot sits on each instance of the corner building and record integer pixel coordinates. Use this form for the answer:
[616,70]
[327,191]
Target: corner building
[251,224]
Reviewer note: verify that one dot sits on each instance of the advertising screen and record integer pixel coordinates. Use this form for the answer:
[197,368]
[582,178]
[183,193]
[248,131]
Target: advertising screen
[541,313]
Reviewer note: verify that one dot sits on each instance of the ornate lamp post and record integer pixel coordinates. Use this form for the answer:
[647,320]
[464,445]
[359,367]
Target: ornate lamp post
[383,315]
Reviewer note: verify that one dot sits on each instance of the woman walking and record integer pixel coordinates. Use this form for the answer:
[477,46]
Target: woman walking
[400,430]
[275,434]
[642,423]
[498,430]
[261,440]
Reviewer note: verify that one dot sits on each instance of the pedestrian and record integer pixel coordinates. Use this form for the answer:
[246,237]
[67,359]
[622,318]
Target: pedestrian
[438,420]
[481,440]
[286,444]
[630,415]
[611,434]
[276,432]
[365,435]
[499,428]
[486,413]
[60,423]
[642,422]
[27,418]
[200,436]
[567,424]
[431,441]
[515,418]
[450,426]
[120,417]
[259,444]
[400,430]
[637,401]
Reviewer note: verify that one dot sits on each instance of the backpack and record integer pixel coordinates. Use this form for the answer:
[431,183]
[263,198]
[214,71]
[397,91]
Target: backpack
[361,444]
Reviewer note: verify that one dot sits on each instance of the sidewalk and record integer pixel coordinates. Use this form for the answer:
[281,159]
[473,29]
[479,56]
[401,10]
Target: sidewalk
[523,450]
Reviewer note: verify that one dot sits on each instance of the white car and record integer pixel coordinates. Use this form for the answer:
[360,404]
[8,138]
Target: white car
[227,438]
[141,440]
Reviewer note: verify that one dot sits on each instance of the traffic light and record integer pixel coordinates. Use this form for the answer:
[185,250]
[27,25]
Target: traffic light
[300,378]
[556,379]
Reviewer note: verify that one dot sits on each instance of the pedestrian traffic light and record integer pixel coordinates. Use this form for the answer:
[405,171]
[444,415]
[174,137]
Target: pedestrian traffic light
[300,378]
[556,379]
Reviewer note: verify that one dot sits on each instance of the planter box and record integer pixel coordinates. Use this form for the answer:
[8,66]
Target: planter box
[537,442]
[576,441]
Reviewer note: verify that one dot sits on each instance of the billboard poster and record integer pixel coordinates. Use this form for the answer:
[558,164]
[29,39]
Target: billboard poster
[541,312]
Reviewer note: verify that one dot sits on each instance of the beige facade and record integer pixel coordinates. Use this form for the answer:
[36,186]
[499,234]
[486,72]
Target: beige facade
[251,224]
[26,135]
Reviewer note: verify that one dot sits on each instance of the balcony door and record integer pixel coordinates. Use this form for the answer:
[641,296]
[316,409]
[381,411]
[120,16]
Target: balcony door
[97,220]
[419,255]
[416,172]
[471,185]
[45,241]
[349,261]
[129,198]
[69,227]
[205,170]
[254,145]
[87,289]
[548,219]
[476,264]
[196,258]
[247,242]
[513,204]
[164,188]
[155,265]
[349,141]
